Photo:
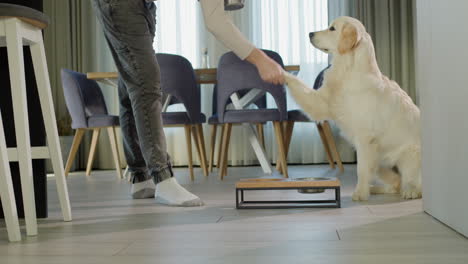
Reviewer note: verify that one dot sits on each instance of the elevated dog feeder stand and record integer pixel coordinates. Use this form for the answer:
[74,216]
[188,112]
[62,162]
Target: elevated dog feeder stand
[303,185]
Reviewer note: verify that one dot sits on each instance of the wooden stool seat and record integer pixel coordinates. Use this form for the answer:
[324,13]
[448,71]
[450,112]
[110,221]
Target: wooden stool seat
[301,184]
[25,14]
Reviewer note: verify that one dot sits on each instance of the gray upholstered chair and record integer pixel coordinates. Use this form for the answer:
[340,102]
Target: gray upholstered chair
[213,121]
[235,75]
[88,110]
[179,82]
[323,128]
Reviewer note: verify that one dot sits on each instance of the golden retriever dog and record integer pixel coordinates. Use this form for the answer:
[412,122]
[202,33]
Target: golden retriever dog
[373,112]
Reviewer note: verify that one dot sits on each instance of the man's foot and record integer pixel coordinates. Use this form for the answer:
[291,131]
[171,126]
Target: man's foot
[170,192]
[143,186]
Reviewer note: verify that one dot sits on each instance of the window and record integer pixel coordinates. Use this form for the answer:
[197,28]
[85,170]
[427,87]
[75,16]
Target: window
[177,31]
[278,25]
[284,26]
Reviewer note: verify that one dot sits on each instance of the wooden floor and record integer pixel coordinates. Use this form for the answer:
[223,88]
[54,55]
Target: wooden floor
[109,227]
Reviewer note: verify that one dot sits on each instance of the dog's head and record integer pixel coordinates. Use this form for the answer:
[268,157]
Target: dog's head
[342,36]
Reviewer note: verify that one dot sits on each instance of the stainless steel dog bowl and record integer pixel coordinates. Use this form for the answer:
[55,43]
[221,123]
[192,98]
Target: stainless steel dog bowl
[311,191]
[314,179]
[230,5]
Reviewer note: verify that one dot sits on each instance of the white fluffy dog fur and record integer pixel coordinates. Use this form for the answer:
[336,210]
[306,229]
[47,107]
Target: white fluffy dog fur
[373,112]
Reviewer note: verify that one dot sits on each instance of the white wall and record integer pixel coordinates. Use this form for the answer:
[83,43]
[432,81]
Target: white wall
[442,80]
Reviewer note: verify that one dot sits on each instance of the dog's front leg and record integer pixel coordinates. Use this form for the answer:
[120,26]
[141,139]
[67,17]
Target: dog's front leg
[314,103]
[366,169]
[409,166]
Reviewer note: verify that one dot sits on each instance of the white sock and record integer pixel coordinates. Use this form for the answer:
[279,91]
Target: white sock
[143,190]
[170,192]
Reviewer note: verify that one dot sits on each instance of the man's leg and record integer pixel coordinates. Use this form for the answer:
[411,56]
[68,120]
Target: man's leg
[142,185]
[129,29]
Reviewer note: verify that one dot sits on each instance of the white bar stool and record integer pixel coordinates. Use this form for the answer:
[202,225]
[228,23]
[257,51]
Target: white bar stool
[7,194]
[22,26]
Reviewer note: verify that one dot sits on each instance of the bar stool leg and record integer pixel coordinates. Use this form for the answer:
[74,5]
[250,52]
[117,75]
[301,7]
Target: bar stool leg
[20,109]
[6,191]
[47,105]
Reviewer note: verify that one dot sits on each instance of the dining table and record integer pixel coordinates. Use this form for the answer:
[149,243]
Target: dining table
[208,76]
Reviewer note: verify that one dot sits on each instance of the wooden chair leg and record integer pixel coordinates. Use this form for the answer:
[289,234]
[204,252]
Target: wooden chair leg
[115,151]
[278,162]
[288,135]
[195,140]
[201,140]
[227,139]
[197,145]
[220,147]
[288,131]
[261,134]
[281,147]
[92,151]
[331,142]
[74,148]
[188,130]
[214,130]
[326,146]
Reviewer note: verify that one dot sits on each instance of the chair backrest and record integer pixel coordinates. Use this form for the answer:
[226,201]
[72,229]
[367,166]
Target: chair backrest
[235,75]
[178,79]
[83,98]
[319,80]
[260,103]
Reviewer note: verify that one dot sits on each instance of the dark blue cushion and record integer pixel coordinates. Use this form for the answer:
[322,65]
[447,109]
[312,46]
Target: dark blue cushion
[213,120]
[180,118]
[252,116]
[103,121]
[298,116]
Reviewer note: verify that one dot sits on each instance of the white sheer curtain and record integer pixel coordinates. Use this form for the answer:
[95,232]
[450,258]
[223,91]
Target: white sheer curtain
[278,25]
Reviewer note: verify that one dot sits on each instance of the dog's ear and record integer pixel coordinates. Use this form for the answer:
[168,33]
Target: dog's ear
[349,38]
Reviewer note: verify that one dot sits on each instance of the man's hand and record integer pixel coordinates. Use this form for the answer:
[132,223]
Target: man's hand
[269,70]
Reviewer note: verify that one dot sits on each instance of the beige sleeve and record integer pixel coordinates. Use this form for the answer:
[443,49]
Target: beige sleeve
[221,26]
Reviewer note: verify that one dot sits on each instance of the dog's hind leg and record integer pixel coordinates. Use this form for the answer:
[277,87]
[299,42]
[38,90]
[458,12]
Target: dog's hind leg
[311,101]
[409,166]
[366,169]
[391,180]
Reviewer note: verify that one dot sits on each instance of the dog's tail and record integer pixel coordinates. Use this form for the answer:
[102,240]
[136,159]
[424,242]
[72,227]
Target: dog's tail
[310,100]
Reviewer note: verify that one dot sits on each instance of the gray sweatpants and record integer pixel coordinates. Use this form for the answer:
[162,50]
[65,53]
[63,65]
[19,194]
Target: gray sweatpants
[129,27]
